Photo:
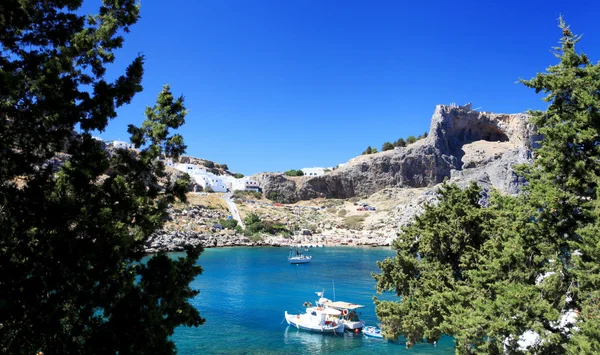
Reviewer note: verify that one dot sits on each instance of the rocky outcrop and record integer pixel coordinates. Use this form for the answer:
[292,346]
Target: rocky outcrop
[452,149]
[277,187]
[173,175]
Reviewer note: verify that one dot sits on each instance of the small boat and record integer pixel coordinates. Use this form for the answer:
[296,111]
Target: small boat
[348,311]
[317,319]
[298,258]
[372,332]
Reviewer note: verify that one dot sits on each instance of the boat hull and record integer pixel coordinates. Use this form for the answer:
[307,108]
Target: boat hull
[372,333]
[354,325]
[300,260]
[296,321]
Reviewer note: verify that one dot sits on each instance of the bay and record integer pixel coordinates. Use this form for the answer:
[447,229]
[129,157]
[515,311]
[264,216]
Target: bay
[244,293]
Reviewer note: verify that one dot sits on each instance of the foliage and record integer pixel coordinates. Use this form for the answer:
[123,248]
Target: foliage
[223,167]
[400,143]
[255,238]
[73,235]
[254,224]
[369,150]
[354,222]
[238,175]
[387,146]
[228,223]
[411,140]
[247,193]
[522,264]
[293,172]
[209,164]
[342,213]
[208,189]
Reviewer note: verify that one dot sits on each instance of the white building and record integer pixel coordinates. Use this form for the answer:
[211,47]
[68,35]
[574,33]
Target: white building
[242,184]
[313,171]
[203,177]
[120,145]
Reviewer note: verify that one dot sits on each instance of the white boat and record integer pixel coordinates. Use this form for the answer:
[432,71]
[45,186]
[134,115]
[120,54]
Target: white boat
[372,332]
[348,311]
[298,258]
[349,314]
[317,319]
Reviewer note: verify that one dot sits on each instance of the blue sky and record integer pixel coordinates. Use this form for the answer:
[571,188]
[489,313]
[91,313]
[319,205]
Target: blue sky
[285,84]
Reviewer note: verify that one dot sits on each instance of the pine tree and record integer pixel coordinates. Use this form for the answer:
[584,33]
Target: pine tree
[400,143]
[410,140]
[75,217]
[523,264]
[387,146]
[565,177]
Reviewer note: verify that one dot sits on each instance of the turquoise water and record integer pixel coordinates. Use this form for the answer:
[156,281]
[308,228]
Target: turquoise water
[244,293]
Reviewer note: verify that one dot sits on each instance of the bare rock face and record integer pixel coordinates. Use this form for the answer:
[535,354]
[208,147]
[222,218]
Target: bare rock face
[277,187]
[462,144]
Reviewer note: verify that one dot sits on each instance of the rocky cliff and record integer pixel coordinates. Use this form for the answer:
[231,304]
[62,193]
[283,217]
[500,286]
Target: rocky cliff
[462,144]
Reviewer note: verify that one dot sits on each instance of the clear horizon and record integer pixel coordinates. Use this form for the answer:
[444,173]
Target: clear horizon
[273,86]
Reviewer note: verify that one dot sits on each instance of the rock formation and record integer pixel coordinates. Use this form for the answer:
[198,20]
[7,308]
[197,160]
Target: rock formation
[462,144]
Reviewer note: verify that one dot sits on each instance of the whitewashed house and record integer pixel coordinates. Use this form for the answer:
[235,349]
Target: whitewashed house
[121,145]
[313,171]
[242,184]
[203,177]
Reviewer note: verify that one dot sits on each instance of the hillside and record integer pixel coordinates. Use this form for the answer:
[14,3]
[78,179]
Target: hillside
[462,146]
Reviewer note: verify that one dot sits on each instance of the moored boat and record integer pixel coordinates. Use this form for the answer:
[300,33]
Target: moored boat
[349,313]
[372,332]
[347,310]
[298,258]
[317,319]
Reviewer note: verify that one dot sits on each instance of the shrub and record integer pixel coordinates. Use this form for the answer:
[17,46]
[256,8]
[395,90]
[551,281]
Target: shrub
[242,193]
[209,164]
[255,237]
[331,210]
[228,223]
[400,143]
[342,213]
[208,189]
[293,172]
[354,222]
[411,139]
[238,175]
[387,146]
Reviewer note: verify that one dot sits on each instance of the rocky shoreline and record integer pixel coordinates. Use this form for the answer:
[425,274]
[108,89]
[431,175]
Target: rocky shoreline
[179,240]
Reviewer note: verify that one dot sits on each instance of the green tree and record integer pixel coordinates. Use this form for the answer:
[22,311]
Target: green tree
[488,275]
[238,175]
[564,181]
[228,223]
[387,146]
[369,150]
[410,140]
[293,172]
[73,233]
[400,143]
[374,150]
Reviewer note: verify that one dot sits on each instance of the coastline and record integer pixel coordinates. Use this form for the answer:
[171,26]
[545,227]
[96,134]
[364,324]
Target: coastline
[179,240]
